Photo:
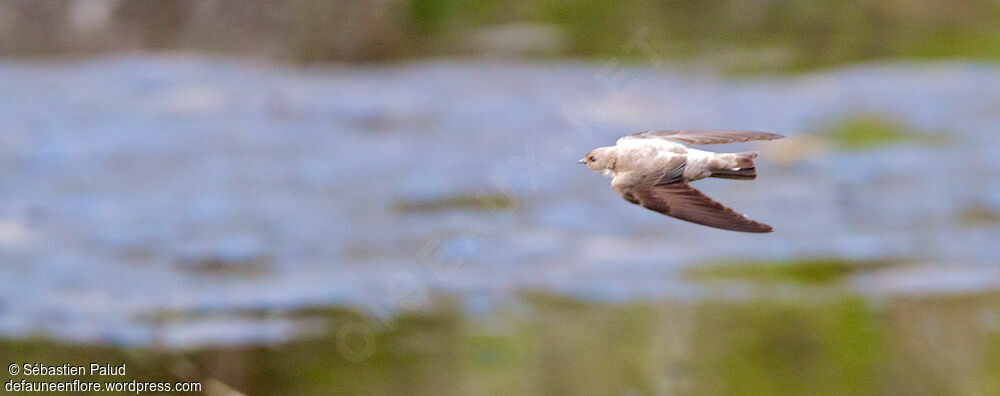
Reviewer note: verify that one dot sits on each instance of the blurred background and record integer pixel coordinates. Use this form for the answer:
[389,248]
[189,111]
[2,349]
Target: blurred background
[382,197]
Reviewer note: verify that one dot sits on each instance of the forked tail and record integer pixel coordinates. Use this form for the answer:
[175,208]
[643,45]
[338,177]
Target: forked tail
[740,167]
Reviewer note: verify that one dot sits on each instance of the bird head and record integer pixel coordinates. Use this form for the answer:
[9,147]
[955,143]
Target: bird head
[599,160]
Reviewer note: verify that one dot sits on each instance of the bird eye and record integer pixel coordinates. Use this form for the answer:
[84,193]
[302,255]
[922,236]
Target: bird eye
[591,158]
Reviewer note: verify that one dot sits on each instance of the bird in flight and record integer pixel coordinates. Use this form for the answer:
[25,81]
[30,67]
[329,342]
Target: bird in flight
[652,169]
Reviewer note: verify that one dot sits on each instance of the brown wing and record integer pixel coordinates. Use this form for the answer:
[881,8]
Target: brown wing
[707,136]
[669,194]
[682,201]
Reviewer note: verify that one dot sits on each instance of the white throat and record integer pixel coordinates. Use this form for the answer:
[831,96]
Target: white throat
[608,173]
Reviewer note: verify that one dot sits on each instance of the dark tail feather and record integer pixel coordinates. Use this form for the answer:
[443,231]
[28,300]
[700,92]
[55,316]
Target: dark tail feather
[742,174]
[742,170]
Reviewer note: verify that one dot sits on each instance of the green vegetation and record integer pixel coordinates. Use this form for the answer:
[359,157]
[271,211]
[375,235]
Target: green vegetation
[486,202]
[811,271]
[548,344]
[872,131]
[867,131]
[774,348]
[734,35]
[729,35]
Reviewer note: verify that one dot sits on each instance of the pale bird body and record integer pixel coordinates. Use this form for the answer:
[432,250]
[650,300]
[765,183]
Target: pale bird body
[652,169]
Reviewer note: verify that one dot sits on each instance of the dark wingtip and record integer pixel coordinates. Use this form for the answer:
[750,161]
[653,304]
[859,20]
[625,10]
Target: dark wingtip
[763,229]
[767,135]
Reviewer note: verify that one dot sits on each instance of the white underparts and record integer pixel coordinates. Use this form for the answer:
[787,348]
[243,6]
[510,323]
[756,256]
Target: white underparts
[696,167]
[608,173]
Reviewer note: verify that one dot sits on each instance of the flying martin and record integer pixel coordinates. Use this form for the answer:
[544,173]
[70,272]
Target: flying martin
[652,169]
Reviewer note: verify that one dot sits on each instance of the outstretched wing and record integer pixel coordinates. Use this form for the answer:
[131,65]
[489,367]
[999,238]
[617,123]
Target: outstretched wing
[705,136]
[669,194]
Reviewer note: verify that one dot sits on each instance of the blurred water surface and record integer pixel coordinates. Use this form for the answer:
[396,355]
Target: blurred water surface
[139,188]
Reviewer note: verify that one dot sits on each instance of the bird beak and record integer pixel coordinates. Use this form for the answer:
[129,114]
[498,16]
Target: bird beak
[582,160]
